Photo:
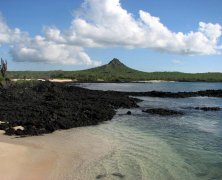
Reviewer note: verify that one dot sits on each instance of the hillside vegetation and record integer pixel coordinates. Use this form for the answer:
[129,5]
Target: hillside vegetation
[115,71]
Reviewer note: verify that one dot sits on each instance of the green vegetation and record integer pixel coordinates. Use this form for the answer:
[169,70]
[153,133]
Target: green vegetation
[4,81]
[118,72]
[26,83]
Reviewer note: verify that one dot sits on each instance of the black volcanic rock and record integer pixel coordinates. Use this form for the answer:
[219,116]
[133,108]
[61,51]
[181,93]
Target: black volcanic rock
[208,108]
[47,107]
[163,112]
[161,94]
[129,113]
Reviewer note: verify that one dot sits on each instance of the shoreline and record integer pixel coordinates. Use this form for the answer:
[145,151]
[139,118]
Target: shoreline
[76,153]
[53,156]
[46,107]
[22,161]
[57,80]
[50,80]
[64,80]
[64,154]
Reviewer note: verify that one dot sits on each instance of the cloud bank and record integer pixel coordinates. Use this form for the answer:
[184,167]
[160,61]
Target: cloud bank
[105,24]
[41,49]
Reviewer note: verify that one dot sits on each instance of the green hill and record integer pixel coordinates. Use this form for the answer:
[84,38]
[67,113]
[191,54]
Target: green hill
[116,71]
[113,71]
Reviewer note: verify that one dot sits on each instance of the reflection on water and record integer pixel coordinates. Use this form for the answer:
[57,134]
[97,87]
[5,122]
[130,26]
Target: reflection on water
[155,147]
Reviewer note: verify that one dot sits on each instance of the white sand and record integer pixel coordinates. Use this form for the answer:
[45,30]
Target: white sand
[51,80]
[21,162]
[61,80]
[61,155]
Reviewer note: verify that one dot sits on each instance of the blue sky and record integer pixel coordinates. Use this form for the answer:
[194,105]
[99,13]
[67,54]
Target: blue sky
[39,21]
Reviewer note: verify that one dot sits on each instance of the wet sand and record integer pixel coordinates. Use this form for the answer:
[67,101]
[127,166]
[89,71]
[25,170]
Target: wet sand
[23,162]
[60,155]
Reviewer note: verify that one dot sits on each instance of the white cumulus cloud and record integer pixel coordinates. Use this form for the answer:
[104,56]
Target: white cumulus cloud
[42,49]
[106,24]
[8,35]
[39,49]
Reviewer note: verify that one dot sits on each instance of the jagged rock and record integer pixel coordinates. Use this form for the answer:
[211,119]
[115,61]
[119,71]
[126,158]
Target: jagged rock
[163,112]
[46,107]
[208,108]
[207,93]
[129,113]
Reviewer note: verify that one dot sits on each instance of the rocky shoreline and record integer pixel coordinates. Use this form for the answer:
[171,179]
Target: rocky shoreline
[161,94]
[163,112]
[27,110]
[46,107]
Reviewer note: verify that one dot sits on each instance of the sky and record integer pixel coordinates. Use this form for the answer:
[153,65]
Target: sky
[148,35]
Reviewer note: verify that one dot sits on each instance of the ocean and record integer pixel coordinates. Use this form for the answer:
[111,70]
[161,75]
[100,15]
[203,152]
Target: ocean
[153,147]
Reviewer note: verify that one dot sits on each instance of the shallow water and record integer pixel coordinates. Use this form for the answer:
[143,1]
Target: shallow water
[155,147]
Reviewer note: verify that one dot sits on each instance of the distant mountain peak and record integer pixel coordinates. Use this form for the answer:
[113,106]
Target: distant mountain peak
[115,62]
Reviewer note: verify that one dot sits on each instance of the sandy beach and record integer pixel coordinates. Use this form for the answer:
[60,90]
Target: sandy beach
[61,155]
[51,80]
[24,162]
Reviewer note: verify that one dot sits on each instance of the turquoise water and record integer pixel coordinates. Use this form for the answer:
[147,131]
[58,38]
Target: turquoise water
[155,147]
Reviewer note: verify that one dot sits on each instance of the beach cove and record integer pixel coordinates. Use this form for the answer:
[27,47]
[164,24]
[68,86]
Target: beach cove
[136,146]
